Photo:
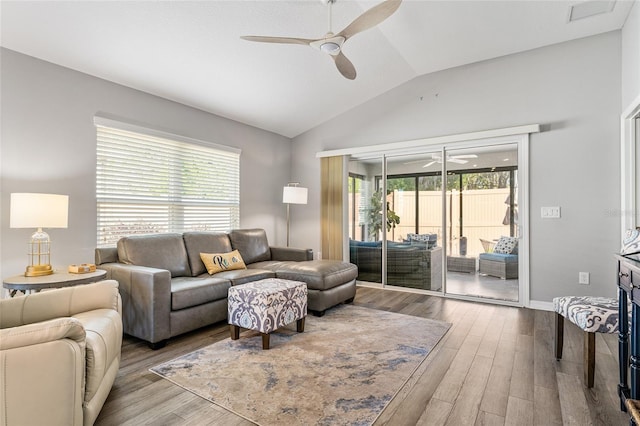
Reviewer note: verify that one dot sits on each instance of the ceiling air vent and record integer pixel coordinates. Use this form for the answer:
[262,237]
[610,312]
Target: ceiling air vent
[590,8]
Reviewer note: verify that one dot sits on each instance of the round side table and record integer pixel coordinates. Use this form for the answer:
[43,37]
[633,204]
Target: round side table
[55,280]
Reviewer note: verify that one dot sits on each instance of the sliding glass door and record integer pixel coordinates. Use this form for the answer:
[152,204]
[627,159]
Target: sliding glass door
[409,227]
[482,217]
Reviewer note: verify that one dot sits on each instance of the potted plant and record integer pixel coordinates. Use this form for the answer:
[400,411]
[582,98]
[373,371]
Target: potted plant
[374,216]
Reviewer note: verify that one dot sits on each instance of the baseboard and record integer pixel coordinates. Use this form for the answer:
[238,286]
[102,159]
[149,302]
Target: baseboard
[540,305]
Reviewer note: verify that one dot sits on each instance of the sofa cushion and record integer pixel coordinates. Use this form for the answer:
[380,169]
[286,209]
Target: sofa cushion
[251,243]
[204,242]
[319,274]
[192,291]
[270,265]
[219,262]
[161,251]
[242,276]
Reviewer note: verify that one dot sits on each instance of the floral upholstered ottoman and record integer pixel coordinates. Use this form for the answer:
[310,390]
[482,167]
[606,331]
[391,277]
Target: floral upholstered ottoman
[267,305]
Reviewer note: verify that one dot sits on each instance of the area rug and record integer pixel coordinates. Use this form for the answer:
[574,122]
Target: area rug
[343,369]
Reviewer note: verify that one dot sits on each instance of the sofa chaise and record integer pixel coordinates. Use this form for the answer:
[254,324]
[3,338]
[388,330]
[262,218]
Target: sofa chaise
[166,288]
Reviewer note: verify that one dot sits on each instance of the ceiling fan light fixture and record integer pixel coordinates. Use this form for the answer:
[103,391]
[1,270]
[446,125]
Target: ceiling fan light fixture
[330,47]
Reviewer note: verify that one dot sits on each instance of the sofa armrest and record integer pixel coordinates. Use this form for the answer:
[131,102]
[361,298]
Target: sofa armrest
[43,367]
[42,332]
[106,255]
[146,300]
[291,253]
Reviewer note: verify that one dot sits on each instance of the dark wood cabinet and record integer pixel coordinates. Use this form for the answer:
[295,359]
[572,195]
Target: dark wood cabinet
[629,334]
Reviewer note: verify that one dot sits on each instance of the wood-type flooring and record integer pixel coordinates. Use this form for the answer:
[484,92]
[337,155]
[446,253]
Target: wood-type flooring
[495,366]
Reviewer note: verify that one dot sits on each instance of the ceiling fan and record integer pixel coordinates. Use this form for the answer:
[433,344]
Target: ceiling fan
[437,158]
[331,43]
[458,159]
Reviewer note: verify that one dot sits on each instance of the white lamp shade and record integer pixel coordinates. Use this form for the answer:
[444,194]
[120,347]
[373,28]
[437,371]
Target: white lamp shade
[29,210]
[294,195]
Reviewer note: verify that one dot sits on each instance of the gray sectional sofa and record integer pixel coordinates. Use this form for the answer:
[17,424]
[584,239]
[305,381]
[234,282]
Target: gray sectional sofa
[166,289]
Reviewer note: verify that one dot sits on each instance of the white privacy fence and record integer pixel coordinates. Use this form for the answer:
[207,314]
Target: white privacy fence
[485,215]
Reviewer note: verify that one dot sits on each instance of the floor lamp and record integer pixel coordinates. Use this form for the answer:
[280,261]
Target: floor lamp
[293,194]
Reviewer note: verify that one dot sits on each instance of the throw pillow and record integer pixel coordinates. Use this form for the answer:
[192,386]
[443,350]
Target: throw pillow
[430,240]
[218,262]
[631,242]
[423,238]
[506,245]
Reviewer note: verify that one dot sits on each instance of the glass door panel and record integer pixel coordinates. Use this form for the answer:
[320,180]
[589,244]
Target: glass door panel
[365,218]
[414,222]
[481,218]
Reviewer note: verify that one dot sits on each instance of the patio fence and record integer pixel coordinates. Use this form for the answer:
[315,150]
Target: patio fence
[485,215]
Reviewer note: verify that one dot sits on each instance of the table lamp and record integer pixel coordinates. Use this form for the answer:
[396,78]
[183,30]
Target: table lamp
[293,194]
[29,210]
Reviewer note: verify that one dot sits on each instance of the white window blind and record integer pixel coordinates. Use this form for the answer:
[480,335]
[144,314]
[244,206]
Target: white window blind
[150,184]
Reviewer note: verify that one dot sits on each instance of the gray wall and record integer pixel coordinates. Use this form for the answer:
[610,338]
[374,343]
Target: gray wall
[631,57]
[48,145]
[631,97]
[572,89]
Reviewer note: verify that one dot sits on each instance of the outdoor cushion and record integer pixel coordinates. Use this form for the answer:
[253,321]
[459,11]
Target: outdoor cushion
[506,245]
[429,239]
[358,243]
[498,257]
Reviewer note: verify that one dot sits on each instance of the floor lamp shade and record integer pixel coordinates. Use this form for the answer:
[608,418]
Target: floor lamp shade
[30,210]
[293,194]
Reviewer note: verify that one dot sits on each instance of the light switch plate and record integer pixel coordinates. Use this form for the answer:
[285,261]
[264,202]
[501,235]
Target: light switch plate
[583,278]
[550,212]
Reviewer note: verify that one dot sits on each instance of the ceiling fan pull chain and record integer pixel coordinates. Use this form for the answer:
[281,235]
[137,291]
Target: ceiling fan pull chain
[330,4]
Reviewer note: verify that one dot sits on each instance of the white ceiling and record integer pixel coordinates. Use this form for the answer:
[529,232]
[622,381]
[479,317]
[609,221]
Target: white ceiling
[191,51]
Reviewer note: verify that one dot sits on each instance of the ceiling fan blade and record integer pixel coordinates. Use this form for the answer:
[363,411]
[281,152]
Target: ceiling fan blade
[465,156]
[370,18]
[285,40]
[428,164]
[457,161]
[345,66]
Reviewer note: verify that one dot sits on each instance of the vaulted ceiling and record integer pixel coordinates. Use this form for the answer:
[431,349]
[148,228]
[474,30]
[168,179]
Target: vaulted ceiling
[191,51]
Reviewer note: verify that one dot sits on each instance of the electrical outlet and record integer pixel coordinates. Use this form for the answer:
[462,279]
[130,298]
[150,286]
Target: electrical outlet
[550,212]
[583,278]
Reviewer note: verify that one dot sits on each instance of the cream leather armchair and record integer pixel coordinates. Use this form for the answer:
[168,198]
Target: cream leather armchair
[59,354]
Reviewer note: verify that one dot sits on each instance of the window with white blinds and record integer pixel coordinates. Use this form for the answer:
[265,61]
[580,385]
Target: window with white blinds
[150,184]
